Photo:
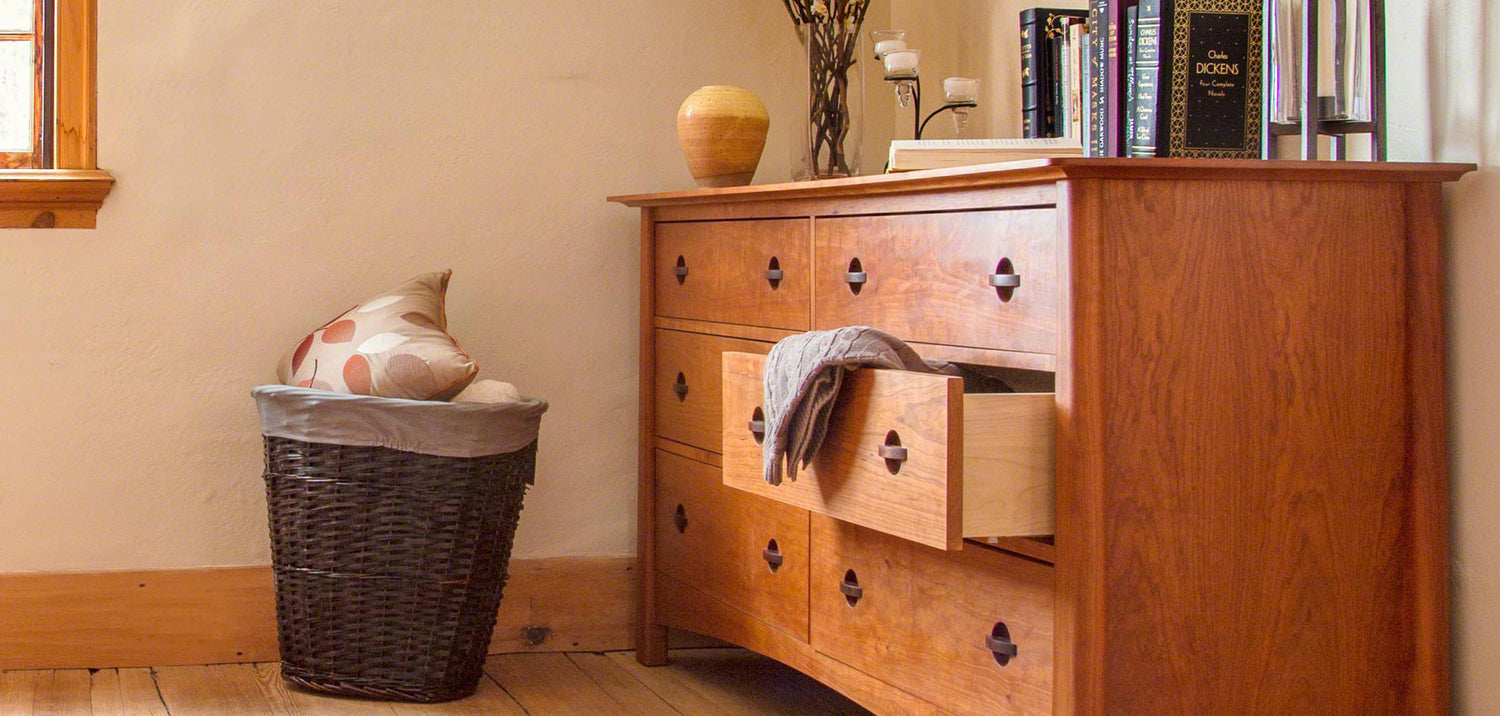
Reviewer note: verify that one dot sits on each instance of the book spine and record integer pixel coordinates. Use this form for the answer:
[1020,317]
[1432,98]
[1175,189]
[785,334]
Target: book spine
[1058,81]
[1098,25]
[1072,59]
[1210,80]
[1131,57]
[1112,31]
[1086,73]
[1033,107]
[1147,69]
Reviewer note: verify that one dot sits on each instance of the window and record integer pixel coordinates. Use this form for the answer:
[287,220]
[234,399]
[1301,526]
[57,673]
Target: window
[48,171]
[24,78]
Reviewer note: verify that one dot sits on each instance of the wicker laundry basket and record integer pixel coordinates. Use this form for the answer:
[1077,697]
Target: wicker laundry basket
[389,559]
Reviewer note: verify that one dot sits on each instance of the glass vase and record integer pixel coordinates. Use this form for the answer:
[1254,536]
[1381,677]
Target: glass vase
[1286,61]
[835,56]
[1351,60]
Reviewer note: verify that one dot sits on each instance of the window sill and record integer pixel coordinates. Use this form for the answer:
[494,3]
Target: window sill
[52,198]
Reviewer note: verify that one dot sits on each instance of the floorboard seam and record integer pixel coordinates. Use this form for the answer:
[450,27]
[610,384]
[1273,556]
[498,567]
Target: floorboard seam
[159,697]
[659,695]
[512,696]
[611,662]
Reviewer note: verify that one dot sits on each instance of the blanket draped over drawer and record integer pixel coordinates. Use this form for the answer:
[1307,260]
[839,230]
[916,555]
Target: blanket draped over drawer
[803,374]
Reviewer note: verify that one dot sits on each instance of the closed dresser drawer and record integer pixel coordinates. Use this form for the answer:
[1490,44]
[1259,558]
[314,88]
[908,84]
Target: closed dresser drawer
[910,455]
[686,390]
[754,273]
[748,552]
[970,631]
[984,279]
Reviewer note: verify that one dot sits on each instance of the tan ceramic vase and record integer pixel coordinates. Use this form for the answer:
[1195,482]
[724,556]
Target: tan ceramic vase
[722,130]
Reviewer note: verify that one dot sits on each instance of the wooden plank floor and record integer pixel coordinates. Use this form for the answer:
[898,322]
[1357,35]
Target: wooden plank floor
[698,681]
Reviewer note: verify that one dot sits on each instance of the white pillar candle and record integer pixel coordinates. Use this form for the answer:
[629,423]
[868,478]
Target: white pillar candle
[961,89]
[902,63]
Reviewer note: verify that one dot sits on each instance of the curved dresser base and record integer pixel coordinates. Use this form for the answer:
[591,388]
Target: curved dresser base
[706,615]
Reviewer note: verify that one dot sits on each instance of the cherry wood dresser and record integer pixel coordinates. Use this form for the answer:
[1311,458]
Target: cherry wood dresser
[1220,485]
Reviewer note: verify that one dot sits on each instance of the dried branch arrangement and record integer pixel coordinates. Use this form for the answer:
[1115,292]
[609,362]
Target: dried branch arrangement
[829,29]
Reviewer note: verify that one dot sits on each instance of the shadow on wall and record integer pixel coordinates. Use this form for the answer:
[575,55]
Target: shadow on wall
[1461,109]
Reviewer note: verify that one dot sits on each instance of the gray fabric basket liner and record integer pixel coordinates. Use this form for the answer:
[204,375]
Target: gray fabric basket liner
[421,426]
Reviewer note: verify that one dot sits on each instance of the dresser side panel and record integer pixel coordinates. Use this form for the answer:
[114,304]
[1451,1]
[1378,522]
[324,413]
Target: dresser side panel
[1256,496]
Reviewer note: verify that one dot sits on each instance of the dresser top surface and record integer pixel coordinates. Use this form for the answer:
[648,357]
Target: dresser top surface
[1033,171]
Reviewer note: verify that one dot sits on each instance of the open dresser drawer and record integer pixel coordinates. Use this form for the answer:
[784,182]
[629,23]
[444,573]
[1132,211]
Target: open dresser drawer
[908,454]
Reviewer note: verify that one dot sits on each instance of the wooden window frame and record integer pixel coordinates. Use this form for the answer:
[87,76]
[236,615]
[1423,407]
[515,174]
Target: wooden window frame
[69,194]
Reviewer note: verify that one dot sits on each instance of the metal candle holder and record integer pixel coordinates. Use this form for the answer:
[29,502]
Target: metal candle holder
[908,82]
[918,123]
[1317,112]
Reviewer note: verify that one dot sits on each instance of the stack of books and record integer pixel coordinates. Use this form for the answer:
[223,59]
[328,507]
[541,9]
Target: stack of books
[1146,78]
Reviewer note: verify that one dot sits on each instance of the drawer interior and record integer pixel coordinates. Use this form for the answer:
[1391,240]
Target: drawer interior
[910,454]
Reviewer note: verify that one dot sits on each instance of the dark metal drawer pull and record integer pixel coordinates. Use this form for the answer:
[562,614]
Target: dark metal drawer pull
[679,518]
[680,387]
[893,453]
[850,587]
[999,643]
[772,556]
[1001,647]
[774,274]
[852,591]
[758,426]
[1005,280]
[681,270]
[856,276]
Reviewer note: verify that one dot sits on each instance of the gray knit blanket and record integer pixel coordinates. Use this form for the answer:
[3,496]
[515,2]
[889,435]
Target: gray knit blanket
[802,379]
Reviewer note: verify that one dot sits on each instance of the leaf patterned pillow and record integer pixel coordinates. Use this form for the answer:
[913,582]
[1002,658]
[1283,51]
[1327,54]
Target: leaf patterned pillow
[395,345]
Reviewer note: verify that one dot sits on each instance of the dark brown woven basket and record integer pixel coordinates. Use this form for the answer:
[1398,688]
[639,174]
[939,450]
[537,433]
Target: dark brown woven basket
[389,565]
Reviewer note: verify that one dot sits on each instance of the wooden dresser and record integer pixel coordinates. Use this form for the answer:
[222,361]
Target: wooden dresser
[1231,417]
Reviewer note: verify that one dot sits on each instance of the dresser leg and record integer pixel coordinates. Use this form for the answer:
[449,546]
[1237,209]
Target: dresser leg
[651,650]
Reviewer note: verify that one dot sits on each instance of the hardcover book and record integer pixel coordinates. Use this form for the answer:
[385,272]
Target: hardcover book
[1114,66]
[1094,87]
[1077,78]
[911,155]
[1209,104]
[1132,58]
[1146,69]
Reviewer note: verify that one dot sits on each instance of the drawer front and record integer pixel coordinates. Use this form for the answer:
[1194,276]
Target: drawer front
[687,388]
[922,618]
[718,271]
[919,498]
[720,541]
[927,278]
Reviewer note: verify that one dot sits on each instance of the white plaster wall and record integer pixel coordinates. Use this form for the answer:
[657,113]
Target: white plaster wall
[278,161]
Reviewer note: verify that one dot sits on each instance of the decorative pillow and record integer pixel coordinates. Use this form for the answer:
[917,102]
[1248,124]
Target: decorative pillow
[395,345]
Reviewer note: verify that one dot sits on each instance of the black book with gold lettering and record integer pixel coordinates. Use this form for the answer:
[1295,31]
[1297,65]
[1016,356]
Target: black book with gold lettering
[1210,82]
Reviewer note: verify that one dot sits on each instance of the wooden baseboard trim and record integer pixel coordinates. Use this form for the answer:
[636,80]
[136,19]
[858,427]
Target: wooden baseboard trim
[228,615]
